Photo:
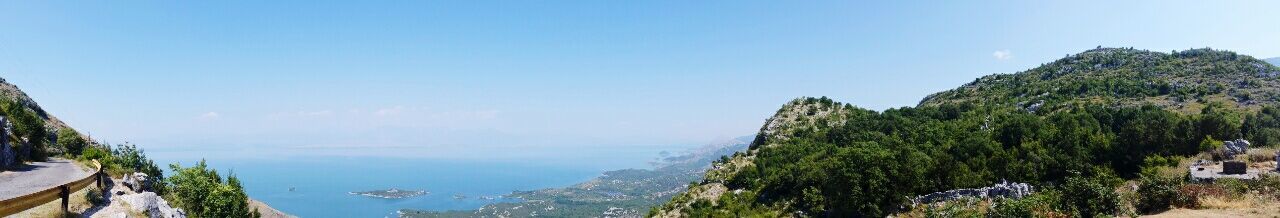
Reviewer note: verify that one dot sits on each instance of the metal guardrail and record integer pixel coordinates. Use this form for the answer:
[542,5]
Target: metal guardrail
[22,203]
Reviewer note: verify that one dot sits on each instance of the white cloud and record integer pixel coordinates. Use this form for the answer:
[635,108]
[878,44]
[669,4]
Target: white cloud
[304,114]
[209,116]
[314,113]
[1002,54]
[389,111]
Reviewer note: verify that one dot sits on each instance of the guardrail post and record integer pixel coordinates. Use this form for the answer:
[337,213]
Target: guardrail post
[65,194]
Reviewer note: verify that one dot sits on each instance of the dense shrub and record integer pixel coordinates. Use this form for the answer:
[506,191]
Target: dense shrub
[95,196]
[1036,205]
[1155,193]
[71,141]
[1089,197]
[29,129]
[1189,195]
[203,193]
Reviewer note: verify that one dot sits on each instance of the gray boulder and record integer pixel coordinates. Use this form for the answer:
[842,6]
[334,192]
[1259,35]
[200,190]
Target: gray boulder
[1235,147]
[138,182]
[152,205]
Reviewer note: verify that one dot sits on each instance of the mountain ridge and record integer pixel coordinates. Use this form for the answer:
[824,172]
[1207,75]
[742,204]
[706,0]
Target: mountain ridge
[1186,82]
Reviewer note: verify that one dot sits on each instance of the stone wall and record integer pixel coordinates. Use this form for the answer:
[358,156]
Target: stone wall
[1003,189]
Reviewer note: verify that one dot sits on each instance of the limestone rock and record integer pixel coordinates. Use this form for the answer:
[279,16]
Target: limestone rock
[152,205]
[1003,189]
[138,182]
[1235,147]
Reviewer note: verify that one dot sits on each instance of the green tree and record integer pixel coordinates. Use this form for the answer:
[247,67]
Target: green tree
[71,141]
[202,193]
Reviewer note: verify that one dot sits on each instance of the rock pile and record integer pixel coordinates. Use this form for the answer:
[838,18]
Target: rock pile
[153,205]
[1004,189]
[1235,147]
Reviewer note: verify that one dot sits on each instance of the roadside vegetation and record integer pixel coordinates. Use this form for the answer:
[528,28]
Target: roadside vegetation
[198,190]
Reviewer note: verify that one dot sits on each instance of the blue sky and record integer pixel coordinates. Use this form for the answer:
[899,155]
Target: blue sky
[467,78]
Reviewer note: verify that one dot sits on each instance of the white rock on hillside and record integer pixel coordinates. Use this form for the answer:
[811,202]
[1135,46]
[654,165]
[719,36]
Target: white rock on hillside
[152,205]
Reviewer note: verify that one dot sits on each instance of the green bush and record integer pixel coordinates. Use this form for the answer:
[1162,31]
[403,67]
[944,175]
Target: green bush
[1234,187]
[1089,197]
[1036,205]
[95,196]
[202,193]
[1156,193]
[71,141]
[1210,144]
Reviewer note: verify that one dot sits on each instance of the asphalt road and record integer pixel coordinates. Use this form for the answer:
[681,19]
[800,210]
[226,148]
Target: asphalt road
[39,176]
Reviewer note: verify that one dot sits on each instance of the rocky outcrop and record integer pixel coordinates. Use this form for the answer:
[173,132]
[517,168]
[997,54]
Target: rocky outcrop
[1235,147]
[152,205]
[8,156]
[1003,189]
[138,182]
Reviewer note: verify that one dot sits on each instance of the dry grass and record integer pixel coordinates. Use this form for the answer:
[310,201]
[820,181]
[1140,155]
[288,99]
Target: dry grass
[1261,154]
[1217,202]
[54,208]
[966,207]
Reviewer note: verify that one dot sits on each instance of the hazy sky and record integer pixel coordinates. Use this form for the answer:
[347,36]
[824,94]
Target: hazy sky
[450,78]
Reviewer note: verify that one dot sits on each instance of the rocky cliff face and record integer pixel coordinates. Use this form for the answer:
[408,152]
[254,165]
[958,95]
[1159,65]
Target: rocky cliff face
[7,155]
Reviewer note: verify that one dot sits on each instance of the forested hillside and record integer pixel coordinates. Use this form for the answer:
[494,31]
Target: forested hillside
[1081,125]
[1181,80]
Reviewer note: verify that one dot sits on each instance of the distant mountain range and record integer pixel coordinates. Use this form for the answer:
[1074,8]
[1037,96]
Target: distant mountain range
[618,193]
[1273,61]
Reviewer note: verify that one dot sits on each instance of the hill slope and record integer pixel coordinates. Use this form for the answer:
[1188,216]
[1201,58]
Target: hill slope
[32,132]
[1182,81]
[12,93]
[1078,122]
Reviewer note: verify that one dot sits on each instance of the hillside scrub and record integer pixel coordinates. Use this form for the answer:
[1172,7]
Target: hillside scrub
[870,165]
[203,193]
[29,134]
[1083,125]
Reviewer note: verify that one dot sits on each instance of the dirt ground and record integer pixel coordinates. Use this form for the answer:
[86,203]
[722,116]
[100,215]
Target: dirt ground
[1270,211]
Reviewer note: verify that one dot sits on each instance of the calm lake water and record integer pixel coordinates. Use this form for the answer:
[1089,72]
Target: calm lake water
[321,184]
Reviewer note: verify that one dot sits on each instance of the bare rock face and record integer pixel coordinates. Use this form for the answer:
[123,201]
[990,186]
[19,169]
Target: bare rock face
[152,205]
[8,156]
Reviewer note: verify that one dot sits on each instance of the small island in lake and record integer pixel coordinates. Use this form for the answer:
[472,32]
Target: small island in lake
[391,193]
